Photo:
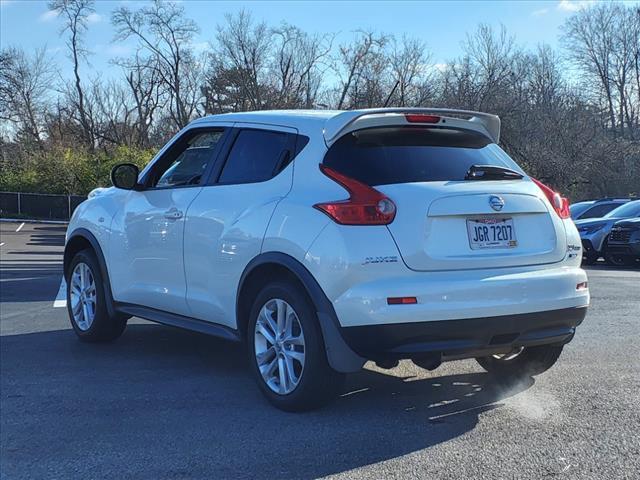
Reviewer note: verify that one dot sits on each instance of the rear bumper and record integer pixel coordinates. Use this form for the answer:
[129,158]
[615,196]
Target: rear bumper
[463,338]
[462,295]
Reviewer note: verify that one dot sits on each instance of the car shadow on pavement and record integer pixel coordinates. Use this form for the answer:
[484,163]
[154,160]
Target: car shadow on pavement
[604,266]
[48,236]
[166,403]
[33,280]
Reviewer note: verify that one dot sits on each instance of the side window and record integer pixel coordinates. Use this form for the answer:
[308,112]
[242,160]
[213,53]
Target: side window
[599,210]
[256,156]
[186,163]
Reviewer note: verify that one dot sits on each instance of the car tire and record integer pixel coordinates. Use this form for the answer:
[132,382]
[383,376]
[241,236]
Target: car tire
[86,302]
[530,361]
[589,259]
[312,383]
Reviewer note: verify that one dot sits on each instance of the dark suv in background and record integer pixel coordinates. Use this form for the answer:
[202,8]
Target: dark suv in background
[624,242]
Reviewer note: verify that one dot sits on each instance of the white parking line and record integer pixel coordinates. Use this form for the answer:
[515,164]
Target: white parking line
[20,227]
[1,244]
[61,297]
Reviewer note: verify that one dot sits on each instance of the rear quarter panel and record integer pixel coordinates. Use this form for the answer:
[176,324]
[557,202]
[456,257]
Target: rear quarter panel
[295,223]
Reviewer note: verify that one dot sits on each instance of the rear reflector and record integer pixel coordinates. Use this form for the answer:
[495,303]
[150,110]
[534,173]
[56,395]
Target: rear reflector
[365,205]
[401,300]
[559,203]
[421,118]
[581,286]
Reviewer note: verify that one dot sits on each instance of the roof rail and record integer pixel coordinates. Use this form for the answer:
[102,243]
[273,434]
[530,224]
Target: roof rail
[335,125]
[609,199]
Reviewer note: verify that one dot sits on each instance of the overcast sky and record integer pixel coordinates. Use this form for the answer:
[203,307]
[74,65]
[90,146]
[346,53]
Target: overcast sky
[442,25]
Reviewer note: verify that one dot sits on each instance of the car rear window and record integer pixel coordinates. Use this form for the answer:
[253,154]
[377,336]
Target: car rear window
[599,210]
[405,154]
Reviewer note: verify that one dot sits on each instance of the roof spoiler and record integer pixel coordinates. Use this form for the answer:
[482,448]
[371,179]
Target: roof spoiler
[490,123]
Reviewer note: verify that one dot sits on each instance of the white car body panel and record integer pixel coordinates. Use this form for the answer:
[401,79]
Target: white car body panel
[96,214]
[145,254]
[360,267]
[224,232]
[430,226]
[295,223]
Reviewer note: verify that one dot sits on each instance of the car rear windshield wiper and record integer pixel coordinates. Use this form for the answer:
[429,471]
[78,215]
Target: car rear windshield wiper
[491,172]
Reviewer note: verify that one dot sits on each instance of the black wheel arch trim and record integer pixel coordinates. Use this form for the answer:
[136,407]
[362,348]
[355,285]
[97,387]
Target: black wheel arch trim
[340,356]
[95,245]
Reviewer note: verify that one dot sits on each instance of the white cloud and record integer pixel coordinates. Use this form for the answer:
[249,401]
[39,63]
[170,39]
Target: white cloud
[539,13]
[51,15]
[119,49]
[200,46]
[94,18]
[48,16]
[435,67]
[574,5]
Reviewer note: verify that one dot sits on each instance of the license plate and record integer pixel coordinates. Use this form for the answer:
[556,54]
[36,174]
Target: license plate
[491,233]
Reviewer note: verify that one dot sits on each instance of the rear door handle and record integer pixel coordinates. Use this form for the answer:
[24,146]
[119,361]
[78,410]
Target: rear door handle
[173,214]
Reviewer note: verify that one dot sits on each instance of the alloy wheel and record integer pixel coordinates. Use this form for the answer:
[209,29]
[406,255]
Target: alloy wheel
[279,346]
[83,296]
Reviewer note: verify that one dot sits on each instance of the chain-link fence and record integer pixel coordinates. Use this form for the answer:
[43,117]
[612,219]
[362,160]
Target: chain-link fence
[38,205]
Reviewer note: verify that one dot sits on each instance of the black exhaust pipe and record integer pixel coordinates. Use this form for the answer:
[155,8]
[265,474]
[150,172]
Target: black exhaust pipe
[429,363]
[387,363]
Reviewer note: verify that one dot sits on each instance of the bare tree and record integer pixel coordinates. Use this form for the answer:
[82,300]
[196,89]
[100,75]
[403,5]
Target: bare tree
[148,95]
[242,56]
[625,59]
[297,69]
[547,84]
[166,34]
[602,42]
[354,66]
[409,60]
[575,128]
[75,14]
[493,58]
[24,87]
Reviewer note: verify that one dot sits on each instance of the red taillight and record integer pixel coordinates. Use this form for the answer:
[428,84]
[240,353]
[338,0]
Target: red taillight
[402,300]
[421,118]
[365,205]
[559,203]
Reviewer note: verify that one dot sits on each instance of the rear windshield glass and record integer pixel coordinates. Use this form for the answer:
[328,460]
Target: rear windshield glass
[628,210]
[387,155]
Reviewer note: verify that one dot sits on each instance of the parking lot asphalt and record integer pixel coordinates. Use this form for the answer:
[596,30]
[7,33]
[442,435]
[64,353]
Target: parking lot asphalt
[165,403]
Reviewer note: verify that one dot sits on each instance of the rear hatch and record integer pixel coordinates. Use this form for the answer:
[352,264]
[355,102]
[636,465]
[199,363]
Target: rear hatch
[444,219]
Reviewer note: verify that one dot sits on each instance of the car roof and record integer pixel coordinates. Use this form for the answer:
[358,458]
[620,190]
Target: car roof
[613,200]
[333,123]
[301,119]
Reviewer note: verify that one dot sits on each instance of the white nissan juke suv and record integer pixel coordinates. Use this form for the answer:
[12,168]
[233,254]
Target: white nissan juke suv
[323,239]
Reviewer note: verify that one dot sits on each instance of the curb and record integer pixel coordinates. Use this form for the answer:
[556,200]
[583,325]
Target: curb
[27,220]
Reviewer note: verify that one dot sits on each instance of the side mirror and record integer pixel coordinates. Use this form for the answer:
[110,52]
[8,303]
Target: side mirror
[125,176]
